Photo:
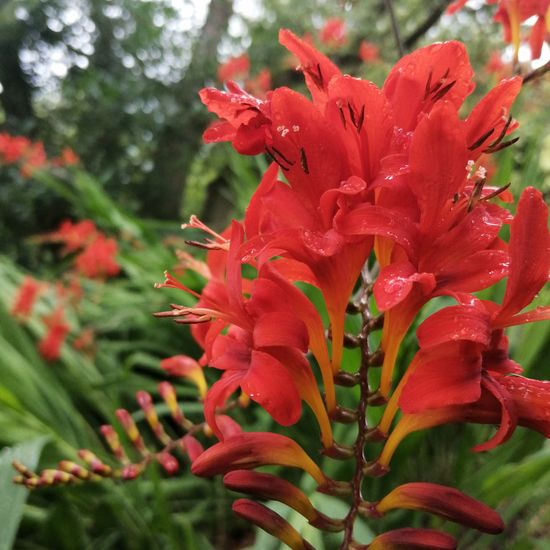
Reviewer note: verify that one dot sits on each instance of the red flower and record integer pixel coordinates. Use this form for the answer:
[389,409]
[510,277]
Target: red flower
[26,297]
[67,158]
[263,350]
[98,259]
[50,345]
[462,371]
[333,34]
[235,68]
[260,84]
[73,235]
[511,13]
[368,52]
[243,118]
[12,148]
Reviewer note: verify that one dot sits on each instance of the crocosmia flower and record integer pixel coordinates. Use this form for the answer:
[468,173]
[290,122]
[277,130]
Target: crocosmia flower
[26,297]
[57,330]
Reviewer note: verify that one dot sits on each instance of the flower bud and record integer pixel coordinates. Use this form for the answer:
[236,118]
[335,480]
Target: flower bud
[412,539]
[186,367]
[443,501]
[269,521]
[253,449]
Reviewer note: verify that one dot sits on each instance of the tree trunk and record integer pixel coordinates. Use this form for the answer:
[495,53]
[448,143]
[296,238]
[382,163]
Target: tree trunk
[181,138]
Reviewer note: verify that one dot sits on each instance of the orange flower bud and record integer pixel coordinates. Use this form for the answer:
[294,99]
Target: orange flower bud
[413,539]
[253,449]
[270,487]
[186,367]
[146,403]
[443,501]
[131,429]
[269,521]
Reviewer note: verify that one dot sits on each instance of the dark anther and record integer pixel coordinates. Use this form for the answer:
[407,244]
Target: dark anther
[303,161]
[352,115]
[502,132]
[481,140]
[501,146]
[289,162]
[361,119]
[316,77]
[443,90]
[476,193]
[342,116]
[456,196]
[497,192]
[274,159]
[428,85]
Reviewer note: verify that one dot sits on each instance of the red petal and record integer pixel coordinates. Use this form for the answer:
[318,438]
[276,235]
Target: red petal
[268,383]
[529,253]
[491,113]
[395,282]
[508,415]
[455,323]
[438,157]
[449,374]
[311,165]
[361,112]
[532,401]
[280,328]
[218,395]
[407,84]
[318,69]
[476,231]
[475,272]
[368,219]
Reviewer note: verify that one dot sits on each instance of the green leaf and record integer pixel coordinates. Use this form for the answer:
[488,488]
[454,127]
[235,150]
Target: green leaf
[14,496]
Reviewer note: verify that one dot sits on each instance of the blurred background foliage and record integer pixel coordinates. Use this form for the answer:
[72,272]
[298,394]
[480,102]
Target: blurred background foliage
[117,81]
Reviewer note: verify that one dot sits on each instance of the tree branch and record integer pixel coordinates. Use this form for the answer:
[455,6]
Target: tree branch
[536,73]
[427,24]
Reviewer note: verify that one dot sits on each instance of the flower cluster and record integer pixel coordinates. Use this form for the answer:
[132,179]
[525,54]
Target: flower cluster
[95,259]
[511,14]
[376,181]
[30,155]
[378,200]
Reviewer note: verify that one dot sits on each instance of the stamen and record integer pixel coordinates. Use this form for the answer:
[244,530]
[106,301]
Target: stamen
[171,282]
[502,132]
[351,114]
[272,156]
[361,119]
[496,192]
[428,85]
[443,90]
[342,116]
[481,140]
[289,162]
[303,161]
[501,146]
